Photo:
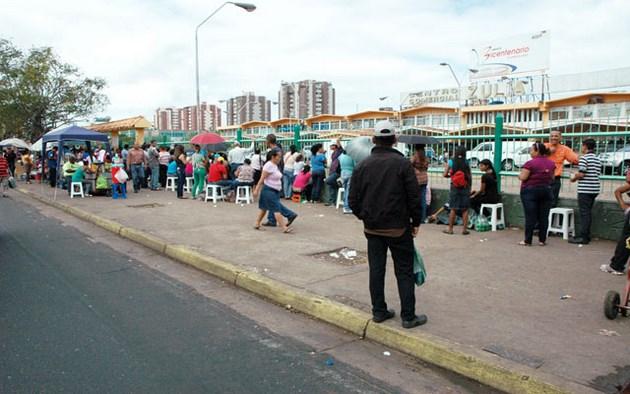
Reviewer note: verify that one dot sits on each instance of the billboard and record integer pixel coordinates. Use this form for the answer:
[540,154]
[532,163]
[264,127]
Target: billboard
[511,56]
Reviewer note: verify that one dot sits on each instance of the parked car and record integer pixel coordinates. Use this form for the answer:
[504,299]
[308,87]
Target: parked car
[615,161]
[512,151]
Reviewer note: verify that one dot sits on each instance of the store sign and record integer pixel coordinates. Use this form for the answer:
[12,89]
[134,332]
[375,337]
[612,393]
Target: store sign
[492,90]
[512,56]
[433,96]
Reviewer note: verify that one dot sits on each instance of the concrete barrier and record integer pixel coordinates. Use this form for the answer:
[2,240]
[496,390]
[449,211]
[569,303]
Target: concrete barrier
[220,269]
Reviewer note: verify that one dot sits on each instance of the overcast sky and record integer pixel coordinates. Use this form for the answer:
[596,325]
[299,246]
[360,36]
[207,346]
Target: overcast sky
[367,49]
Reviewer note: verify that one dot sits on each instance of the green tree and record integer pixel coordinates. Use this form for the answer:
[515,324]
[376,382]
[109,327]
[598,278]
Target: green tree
[38,92]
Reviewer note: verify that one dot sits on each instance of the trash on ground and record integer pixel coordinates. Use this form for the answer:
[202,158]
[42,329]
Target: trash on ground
[566,297]
[387,354]
[335,255]
[330,362]
[580,245]
[608,333]
[348,254]
[288,306]
[321,215]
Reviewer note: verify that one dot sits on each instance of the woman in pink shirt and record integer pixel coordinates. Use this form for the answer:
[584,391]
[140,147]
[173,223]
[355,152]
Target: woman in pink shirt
[269,188]
[301,183]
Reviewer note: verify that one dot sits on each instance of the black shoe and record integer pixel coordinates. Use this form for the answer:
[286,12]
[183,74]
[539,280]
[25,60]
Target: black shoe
[291,220]
[327,204]
[415,322]
[381,318]
[578,240]
[267,224]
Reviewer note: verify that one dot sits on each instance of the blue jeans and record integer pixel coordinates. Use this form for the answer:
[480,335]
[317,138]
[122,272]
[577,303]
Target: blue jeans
[233,168]
[331,181]
[287,183]
[137,174]
[155,177]
[284,211]
[423,203]
[346,192]
[318,183]
[181,180]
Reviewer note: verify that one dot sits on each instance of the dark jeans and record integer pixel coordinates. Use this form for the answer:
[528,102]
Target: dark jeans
[585,205]
[163,169]
[181,180]
[536,204]
[331,181]
[620,258]
[318,184]
[52,176]
[402,250]
[555,190]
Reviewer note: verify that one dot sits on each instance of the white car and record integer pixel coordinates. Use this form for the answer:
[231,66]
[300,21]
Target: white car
[512,154]
[616,161]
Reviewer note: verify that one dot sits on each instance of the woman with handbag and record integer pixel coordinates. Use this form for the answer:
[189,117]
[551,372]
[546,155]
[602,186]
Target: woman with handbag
[458,170]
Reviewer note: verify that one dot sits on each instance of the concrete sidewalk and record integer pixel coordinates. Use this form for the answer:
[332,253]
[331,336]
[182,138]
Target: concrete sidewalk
[490,296]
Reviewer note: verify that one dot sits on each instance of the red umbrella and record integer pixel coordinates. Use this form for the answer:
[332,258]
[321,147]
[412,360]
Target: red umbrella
[207,138]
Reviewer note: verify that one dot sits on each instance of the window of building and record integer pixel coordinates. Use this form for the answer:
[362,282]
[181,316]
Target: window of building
[409,121]
[437,120]
[357,124]
[453,120]
[583,112]
[368,123]
[343,125]
[559,114]
[609,110]
[421,120]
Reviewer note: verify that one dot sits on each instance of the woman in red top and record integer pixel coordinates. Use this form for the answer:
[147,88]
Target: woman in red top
[218,173]
[4,174]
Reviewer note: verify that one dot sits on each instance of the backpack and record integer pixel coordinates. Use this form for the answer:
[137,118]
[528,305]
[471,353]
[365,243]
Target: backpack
[459,179]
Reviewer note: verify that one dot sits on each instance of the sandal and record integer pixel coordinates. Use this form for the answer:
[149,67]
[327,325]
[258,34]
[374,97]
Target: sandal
[523,243]
[542,243]
[257,227]
[449,232]
[465,232]
[287,230]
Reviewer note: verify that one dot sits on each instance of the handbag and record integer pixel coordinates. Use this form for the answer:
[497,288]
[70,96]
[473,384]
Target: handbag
[12,183]
[419,271]
[122,176]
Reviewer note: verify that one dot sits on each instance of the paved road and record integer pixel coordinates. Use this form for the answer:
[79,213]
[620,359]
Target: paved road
[78,316]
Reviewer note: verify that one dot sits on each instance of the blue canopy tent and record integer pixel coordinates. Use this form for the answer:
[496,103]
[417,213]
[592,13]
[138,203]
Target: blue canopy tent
[71,133]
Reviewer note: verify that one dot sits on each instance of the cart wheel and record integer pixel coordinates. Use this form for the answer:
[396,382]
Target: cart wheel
[611,304]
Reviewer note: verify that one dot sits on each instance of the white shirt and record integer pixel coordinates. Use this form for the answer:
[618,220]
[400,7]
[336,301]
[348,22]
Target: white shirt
[257,162]
[237,155]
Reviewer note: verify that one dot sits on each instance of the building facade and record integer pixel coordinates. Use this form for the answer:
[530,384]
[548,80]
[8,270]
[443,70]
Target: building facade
[305,99]
[248,108]
[186,118]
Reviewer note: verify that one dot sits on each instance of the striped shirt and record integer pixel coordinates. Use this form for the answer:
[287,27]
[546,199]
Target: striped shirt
[590,166]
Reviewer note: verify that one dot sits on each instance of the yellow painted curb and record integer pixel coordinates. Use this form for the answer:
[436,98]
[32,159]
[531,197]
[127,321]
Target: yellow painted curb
[322,308]
[446,355]
[143,239]
[107,224]
[220,269]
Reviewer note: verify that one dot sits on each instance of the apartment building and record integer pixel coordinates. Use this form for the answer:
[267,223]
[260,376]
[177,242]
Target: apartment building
[186,118]
[305,99]
[247,108]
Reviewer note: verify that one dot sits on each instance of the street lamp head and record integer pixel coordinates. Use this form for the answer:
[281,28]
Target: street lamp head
[246,6]
[473,70]
[443,64]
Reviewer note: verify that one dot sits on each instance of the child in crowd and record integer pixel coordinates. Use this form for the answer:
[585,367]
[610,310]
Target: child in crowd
[302,182]
[172,168]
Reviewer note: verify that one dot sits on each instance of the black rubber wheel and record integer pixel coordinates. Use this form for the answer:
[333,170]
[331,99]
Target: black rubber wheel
[611,304]
[507,165]
[474,163]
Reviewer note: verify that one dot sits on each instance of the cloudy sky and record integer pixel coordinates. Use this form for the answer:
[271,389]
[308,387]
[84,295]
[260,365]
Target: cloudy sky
[368,48]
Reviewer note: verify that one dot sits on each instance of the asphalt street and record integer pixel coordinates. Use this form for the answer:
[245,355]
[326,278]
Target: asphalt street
[78,316]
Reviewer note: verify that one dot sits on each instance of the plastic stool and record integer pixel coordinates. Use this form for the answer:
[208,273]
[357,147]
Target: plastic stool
[171,181]
[217,193]
[340,195]
[74,192]
[247,194]
[497,216]
[561,220]
[189,184]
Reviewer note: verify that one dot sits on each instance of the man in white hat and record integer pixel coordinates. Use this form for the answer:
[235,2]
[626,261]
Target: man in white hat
[385,195]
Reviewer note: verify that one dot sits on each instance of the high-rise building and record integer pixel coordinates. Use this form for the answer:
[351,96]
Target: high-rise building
[248,107]
[167,119]
[186,118]
[306,98]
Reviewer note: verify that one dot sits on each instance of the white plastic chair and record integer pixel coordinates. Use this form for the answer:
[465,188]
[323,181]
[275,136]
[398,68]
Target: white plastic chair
[497,215]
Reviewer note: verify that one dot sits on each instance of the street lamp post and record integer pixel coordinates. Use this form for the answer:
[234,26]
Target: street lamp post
[247,7]
[459,85]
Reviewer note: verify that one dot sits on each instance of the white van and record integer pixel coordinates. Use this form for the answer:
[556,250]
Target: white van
[510,157]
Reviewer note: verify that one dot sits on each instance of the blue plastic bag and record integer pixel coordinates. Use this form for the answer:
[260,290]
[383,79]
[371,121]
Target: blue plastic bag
[419,271]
